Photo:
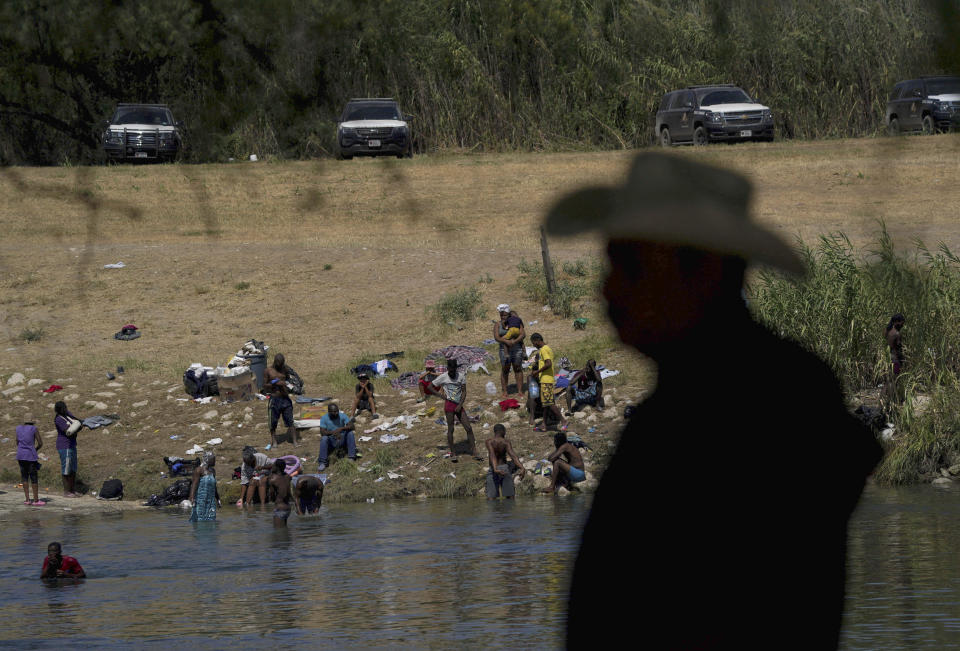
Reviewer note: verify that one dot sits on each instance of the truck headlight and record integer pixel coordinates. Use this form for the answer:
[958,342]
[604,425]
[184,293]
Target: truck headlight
[943,106]
[711,116]
[113,138]
[768,116]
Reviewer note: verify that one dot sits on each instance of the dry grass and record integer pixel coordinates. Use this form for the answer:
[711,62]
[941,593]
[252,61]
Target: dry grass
[340,259]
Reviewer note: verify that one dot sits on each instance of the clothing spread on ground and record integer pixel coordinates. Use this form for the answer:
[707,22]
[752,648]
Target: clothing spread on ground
[545,354]
[379,368]
[453,388]
[465,355]
[406,380]
[99,421]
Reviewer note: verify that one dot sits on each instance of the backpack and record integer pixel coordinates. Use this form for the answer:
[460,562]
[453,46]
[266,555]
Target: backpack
[577,442]
[200,386]
[112,489]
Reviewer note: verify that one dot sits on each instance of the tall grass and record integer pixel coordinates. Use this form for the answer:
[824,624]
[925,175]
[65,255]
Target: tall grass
[840,311]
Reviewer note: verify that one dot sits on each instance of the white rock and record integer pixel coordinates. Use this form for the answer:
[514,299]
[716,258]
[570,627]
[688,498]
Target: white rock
[34,382]
[562,491]
[592,418]
[12,390]
[942,481]
[142,403]
[580,415]
[210,414]
[105,394]
[247,417]
[95,405]
[227,423]
[115,385]
[610,413]
[16,378]
[72,396]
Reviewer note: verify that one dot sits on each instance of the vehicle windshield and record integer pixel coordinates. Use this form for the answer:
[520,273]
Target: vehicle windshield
[725,96]
[370,112]
[142,115]
[943,86]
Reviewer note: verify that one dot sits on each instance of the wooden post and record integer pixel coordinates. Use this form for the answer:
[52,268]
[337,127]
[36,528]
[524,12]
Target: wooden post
[547,266]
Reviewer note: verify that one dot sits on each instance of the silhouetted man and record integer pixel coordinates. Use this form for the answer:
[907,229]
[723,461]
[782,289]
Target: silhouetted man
[738,558]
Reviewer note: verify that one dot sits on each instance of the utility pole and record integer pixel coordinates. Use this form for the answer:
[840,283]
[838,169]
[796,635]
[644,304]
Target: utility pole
[547,266]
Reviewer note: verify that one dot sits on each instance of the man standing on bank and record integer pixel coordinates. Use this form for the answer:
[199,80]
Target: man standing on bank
[543,372]
[767,566]
[509,333]
[275,385]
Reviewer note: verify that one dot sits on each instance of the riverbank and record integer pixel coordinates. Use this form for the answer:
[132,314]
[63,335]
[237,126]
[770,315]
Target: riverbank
[337,263]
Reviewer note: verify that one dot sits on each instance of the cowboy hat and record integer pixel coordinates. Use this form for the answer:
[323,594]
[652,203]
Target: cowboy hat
[673,200]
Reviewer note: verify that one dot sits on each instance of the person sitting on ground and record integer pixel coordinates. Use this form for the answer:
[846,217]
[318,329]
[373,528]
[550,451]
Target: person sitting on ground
[56,566]
[509,333]
[425,382]
[454,384]
[307,494]
[585,388]
[500,477]
[363,397]
[280,482]
[254,472]
[28,444]
[567,463]
[543,373]
[275,385]
[337,429]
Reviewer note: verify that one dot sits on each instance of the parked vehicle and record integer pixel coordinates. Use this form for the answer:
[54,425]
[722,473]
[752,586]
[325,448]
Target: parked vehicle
[373,127]
[927,104]
[142,132]
[704,114]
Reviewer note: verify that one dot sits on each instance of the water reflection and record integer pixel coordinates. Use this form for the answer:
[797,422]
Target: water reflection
[903,570]
[430,573]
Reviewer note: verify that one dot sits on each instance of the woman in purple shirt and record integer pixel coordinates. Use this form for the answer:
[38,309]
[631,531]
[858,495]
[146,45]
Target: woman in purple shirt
[28,442]
[67,447]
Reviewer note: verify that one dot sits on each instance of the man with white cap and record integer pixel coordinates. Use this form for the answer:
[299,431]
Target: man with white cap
[509,333]
[723,559]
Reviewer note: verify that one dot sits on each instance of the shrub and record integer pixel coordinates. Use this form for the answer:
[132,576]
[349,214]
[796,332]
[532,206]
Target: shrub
[32,334]
[578,279]
[461,305]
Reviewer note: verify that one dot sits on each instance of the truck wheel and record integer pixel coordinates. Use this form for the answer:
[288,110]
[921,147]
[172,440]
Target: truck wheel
[700,136]
[929,127]
[665,139]
[893,127]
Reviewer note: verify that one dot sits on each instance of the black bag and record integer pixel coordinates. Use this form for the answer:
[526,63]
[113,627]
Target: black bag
[172,494]
[112,489]
[200,386]
[294,383]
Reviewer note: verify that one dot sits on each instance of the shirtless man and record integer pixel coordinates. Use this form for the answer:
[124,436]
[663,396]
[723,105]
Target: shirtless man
[307,494]
[567,462]
[275,385]
[280,481]
[499,451]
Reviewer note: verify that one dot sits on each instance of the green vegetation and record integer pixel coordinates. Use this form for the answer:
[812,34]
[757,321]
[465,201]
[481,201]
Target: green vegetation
[32,334]
[840,312]
[578,279]
[461,305]
[271,77]
[242,285]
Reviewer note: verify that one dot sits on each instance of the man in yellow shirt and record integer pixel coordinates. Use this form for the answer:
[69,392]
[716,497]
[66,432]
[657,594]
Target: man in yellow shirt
[544,375]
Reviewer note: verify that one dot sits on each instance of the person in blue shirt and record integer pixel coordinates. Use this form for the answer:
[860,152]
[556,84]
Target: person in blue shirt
[337,431]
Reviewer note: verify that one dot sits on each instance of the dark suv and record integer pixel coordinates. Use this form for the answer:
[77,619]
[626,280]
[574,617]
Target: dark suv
[701,114]
[142,132]
[373,127]
[927,104]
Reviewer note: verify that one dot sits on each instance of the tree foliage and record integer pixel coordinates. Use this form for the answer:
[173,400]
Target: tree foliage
[271,77]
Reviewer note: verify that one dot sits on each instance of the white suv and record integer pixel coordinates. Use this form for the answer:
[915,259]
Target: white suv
[142,132]
[373,127]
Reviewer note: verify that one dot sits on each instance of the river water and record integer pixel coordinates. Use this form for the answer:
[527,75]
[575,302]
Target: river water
[420,574]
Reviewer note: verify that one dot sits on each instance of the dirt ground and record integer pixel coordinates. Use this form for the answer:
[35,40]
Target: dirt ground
[333,262]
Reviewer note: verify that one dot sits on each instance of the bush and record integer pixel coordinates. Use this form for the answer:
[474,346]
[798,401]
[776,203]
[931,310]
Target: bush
[578,279]
[32,334]
[840,311]
[461,305]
